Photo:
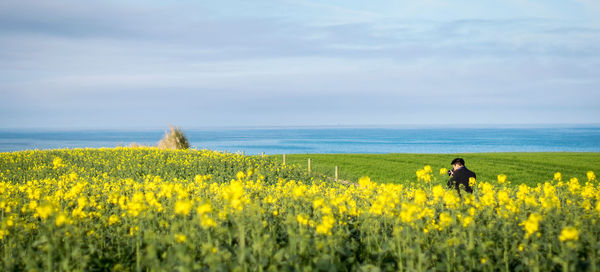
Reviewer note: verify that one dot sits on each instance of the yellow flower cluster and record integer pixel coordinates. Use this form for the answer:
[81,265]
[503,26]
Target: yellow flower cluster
[425,174]
[532,224]
[568,234]
[501,179]
[247,213]
[591,176]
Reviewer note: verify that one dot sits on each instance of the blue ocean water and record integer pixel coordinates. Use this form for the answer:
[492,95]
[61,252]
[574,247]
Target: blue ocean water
[326,140]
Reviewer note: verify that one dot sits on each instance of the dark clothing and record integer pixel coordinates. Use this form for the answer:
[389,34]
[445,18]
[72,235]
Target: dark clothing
[461,176]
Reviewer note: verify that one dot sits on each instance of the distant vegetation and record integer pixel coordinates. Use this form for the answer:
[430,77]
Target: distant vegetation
[527,168]
[174,139]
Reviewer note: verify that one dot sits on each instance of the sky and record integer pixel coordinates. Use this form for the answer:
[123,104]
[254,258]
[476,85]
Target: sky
[195,64]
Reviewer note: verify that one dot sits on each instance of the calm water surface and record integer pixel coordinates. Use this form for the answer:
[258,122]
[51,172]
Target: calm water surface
[325,140]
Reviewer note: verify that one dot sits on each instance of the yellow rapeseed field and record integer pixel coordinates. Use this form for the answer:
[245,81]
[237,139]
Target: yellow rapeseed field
[128,209]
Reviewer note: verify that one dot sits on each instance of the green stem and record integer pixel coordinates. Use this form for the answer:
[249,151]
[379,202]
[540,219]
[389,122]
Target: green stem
[242,240]
[506,248]
[448,268]
[537,263]
[138,259]
[399,246]
[49,256]
[50,250]
[565,260]
[419,257]
[5,253]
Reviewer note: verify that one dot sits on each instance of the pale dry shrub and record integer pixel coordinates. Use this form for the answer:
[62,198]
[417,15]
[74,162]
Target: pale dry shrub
[174,139]
[136,145]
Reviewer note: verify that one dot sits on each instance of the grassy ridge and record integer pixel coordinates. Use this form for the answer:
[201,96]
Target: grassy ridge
[528,168]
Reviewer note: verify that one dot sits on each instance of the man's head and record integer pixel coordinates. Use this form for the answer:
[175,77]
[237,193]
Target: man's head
[458,163]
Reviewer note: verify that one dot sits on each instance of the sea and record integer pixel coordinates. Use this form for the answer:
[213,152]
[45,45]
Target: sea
[301,140]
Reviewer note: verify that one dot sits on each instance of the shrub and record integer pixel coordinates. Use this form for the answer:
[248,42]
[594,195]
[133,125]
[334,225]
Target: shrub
[136,145]
[174,139]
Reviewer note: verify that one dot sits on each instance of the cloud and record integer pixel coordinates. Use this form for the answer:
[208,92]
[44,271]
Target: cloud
[107,59]
[188,32]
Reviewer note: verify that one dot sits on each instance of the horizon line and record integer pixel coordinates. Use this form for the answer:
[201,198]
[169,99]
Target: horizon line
[327,126]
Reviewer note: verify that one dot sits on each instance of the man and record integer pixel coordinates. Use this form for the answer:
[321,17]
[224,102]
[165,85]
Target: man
[460,175]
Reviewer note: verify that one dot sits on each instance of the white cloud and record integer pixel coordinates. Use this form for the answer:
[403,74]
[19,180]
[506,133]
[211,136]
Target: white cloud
[359,66]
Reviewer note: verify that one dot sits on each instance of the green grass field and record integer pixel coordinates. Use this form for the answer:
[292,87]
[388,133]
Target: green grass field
[528,168]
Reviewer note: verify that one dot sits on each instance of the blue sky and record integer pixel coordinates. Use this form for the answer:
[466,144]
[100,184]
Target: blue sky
[144,64]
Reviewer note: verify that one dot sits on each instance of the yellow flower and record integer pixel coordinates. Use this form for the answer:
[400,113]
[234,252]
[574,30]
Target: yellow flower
[299,191]
[472,182]
[503,197]
[568,234]
[113,219]
[467,221]
[322,229]
[82,201]
[317,203]
[60,220]
[420,196]
[366,183]
[133,208]
[207,222]
[472,211]
[326,226]
[180,238]
[558,176]
[73,176]
[44,211]
[438,191]
[32,205]
[133,230]
[451,199]
[409,212]
[424,174]
[591,176]
[483,260]
[204,208]
[183,207]
[57,163]
[240,175]
[574,185]
[445,220]
[302,219]
[443,171]
[501,179]
[531,225]
[234,193]
[488,199]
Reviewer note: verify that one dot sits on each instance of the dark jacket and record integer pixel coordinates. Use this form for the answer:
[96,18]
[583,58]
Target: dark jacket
[461,176]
